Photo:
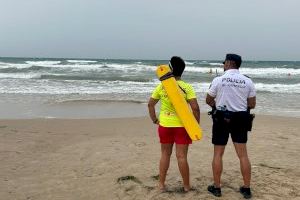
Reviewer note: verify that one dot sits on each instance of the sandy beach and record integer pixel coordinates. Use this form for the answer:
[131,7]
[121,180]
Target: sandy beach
[118,159]
[76,78]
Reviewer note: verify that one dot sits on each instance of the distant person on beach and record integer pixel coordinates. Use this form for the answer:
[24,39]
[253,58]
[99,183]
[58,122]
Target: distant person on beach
[231,96]
[170,127]
[210,71]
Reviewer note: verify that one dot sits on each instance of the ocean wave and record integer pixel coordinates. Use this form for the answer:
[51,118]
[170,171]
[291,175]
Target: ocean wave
[76,67]
[137,67]
[19,75]
[43,63]
[75,87]
[46,86]
[95,101]
[216,64]
[15,65]
[189,63]
[260,72]
[82,61]
[278,88]
[142,68]
[3,63]
[260,87]
[94,78]
[113,66]
[82,67]
[142,74]
[270,71]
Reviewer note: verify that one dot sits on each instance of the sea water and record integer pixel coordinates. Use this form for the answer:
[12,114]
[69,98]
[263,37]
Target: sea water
[35,82]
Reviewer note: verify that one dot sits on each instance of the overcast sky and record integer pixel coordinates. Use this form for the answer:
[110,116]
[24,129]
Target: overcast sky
[150,29]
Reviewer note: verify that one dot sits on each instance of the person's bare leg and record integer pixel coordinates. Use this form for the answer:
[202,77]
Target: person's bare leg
[181,155]
[166,151]
[241,150]
[217,164]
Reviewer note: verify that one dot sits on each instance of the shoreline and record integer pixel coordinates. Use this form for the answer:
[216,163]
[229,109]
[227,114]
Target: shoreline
[144,116]
[118,159]
[15,106]
[51,107]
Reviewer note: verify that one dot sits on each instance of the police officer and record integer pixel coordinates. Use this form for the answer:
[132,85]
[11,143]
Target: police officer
[232,95]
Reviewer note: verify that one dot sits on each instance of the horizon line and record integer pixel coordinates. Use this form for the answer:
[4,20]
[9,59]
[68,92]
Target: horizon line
[150,59]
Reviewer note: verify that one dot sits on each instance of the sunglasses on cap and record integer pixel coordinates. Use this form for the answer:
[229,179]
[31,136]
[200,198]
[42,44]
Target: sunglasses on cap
[170,65]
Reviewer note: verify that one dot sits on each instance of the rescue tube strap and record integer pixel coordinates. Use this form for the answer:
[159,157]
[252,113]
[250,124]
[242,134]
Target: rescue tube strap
[166,76]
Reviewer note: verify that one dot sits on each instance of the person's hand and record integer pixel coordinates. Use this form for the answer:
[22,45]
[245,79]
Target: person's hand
[156,122]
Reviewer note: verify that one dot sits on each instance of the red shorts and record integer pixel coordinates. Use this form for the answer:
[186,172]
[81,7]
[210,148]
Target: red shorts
[169,135]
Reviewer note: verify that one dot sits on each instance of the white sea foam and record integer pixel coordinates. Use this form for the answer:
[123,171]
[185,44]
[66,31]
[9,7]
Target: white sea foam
[75,87]
[109,87]
[15,65]
[79,66]
[200,87]
[82,61]
[3,63]
[248,71]
[203,69]
[270,71]
[216,64]
[136,67]
[43,63]
[113,66]
[189,63]
[260,72]
[263,87]
[19,75]
[260,87]
[29,64]
[278,88]
[84,67]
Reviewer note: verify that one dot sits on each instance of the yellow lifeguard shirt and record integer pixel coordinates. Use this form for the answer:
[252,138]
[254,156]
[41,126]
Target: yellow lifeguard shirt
[168,116]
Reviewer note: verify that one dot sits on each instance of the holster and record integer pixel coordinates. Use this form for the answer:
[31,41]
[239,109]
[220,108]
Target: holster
[213,113]
[250,121]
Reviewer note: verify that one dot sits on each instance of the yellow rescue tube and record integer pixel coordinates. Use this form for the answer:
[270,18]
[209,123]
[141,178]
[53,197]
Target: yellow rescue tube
[176,97]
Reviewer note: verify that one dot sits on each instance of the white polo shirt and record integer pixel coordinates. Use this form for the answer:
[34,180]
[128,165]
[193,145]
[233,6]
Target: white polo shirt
[232,90]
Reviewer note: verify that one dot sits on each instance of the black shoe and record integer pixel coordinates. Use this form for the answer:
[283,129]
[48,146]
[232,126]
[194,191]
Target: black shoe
[246,192]
[214,190]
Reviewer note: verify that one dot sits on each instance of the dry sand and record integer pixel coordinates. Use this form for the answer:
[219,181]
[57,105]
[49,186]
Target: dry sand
[118,159]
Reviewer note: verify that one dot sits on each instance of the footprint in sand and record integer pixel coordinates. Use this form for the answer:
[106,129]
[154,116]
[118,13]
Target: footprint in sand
[132,179]
[284,138]
[139,144]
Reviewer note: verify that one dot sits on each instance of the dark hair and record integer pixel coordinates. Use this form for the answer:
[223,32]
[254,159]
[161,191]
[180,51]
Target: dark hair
[178,65]
[234,57]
